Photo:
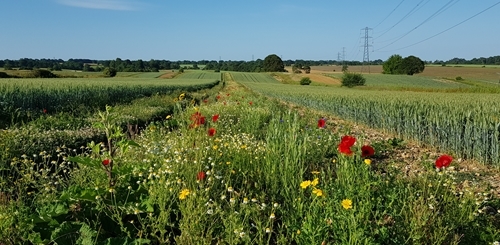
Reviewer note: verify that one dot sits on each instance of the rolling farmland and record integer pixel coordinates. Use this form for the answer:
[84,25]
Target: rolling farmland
[234,164]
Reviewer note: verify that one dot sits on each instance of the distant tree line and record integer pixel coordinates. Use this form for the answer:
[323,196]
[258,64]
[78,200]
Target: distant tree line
[155,65]
[126,65]
[492,60]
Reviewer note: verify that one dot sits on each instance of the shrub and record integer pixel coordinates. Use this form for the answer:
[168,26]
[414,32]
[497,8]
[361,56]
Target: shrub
[39,73]
[305,81]
[459,78]
[353,79]
[4,75]
[109,72]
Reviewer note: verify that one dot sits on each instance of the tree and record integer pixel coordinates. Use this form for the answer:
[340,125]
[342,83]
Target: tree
[7,65]
[109,72]
[412,65]
[393,65]
[273,63]
[307,69]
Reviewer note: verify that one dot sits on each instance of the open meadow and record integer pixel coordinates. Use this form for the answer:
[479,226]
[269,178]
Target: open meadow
[251,158]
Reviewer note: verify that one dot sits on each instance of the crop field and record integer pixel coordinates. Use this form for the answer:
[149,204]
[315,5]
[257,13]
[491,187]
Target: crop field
[21,98]
[251,161]
[252,77]
[200,75]
[471,129]
[403,82]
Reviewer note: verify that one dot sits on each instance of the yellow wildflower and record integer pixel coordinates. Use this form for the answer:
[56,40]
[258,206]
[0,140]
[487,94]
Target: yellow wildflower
[368,161]
[184,193]
[318,192]
[315,172]
[168,117]
[315,182]
[215,147]
[305,184]
[347,204]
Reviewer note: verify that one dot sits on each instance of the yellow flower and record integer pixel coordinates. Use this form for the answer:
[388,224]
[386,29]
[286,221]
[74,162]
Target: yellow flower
[368,161]
[315,182]
[298,232]
[184,193]
[318,192]
[305,184]
[215,147]
[315,172]
[347,204]
[169,116]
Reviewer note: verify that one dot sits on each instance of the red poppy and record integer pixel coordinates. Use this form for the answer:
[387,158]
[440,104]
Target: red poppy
[251,103]
[321,123]
[211,132]
[443,161]
[345,145]
[348,140]
[106,162]
[44,110]
[215,118]
[367,151]
[218,97]
[201,175]
[197,120]
[346,150]
[205,101]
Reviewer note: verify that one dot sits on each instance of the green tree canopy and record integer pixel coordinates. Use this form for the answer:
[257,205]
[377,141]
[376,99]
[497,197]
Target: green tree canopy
[412,65]
[273,63]
[109,72]
[399,65]
[393,65]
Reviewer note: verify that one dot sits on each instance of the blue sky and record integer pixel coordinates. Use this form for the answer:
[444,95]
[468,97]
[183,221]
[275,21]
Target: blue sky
[246,30]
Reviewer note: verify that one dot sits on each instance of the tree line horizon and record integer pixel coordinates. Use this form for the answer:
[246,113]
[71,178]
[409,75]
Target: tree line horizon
[155,65]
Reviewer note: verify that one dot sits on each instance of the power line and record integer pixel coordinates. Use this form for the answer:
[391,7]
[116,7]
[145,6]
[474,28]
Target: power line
[448,28]
[439,11]
[404,17]
[389,14]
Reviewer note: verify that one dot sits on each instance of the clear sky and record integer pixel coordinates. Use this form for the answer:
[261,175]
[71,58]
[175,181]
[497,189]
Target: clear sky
[246,30]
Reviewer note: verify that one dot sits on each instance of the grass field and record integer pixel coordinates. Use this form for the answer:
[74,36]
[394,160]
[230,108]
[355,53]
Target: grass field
[255,161]
[488,74]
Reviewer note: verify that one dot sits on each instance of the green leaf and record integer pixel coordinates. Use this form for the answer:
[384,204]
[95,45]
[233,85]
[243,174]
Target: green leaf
[66,233]
[86,161]
[36,238]
[87,235]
